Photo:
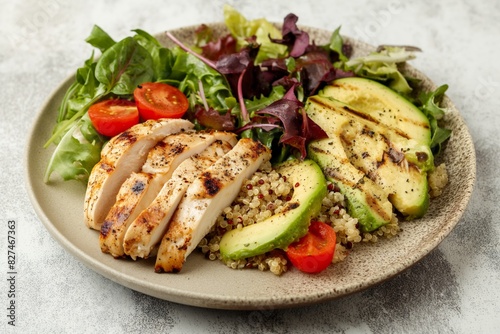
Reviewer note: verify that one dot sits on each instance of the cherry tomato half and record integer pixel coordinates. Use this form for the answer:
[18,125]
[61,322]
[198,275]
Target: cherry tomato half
[313,252]
[111,117]
[158,100]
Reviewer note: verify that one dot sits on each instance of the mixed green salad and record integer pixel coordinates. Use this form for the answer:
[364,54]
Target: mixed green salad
[254,81]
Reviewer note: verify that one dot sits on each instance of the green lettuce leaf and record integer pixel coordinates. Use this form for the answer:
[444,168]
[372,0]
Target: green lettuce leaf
[383,66]
[77,153]
[242,29]
[429,104]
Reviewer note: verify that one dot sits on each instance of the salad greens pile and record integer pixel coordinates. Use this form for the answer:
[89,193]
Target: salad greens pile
[253,81]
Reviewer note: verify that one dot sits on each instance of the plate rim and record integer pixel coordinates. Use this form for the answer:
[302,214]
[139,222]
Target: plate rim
[224,302]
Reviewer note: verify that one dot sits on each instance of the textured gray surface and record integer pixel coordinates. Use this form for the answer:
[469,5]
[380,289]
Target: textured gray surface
[454,289]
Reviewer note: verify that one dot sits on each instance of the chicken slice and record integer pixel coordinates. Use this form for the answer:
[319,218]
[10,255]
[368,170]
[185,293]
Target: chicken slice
[205,199]
[146,230]
[140,189]
[182,145]
[122,155]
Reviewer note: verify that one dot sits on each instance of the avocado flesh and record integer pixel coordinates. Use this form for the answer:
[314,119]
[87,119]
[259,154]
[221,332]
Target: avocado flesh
[380,104]
[366,200]
[279,230]
[376,151]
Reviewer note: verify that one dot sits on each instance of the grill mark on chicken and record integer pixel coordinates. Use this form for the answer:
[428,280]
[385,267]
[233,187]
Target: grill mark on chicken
[138,187]
[178,148]
[106,167]
[212,185]
[106,227]
[125,138]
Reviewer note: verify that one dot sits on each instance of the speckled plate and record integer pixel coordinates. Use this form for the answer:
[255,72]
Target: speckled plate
[210,284]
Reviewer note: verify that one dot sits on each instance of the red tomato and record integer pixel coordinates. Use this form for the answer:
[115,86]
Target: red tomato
[158,100]
[111,117]
[313,252]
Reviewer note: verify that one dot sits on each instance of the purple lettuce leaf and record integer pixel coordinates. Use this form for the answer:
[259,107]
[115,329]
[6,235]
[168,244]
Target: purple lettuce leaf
[298,128]
[212,119]
[296,39]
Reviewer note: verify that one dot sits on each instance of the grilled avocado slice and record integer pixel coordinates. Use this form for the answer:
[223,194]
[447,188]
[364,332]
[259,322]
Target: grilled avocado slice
[366,200]
[280,230]
[378,151]
[380,104]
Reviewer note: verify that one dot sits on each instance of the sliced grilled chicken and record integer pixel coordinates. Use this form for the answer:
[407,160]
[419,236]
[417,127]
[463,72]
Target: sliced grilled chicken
[182,145]
[133,191]
[162,160]
[146,230]
[204,200]
[122,155]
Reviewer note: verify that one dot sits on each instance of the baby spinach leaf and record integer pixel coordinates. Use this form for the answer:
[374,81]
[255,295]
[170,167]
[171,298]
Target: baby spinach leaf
[100,39]
[124,66]
[161,56]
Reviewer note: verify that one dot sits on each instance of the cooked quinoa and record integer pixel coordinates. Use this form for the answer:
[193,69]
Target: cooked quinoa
[438,178]
[266,194]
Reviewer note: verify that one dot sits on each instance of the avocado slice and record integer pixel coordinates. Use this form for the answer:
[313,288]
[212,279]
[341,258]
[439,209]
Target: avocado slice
[380,104]
[376,150]
[280,230]
[366,200]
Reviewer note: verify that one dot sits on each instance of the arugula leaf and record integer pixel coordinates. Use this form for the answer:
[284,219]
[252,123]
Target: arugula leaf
[124,66]
[100,39]
[260,103]
[79,96]
[82,76]
[186,73]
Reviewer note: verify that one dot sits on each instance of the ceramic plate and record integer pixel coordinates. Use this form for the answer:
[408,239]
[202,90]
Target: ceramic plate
[210,284]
